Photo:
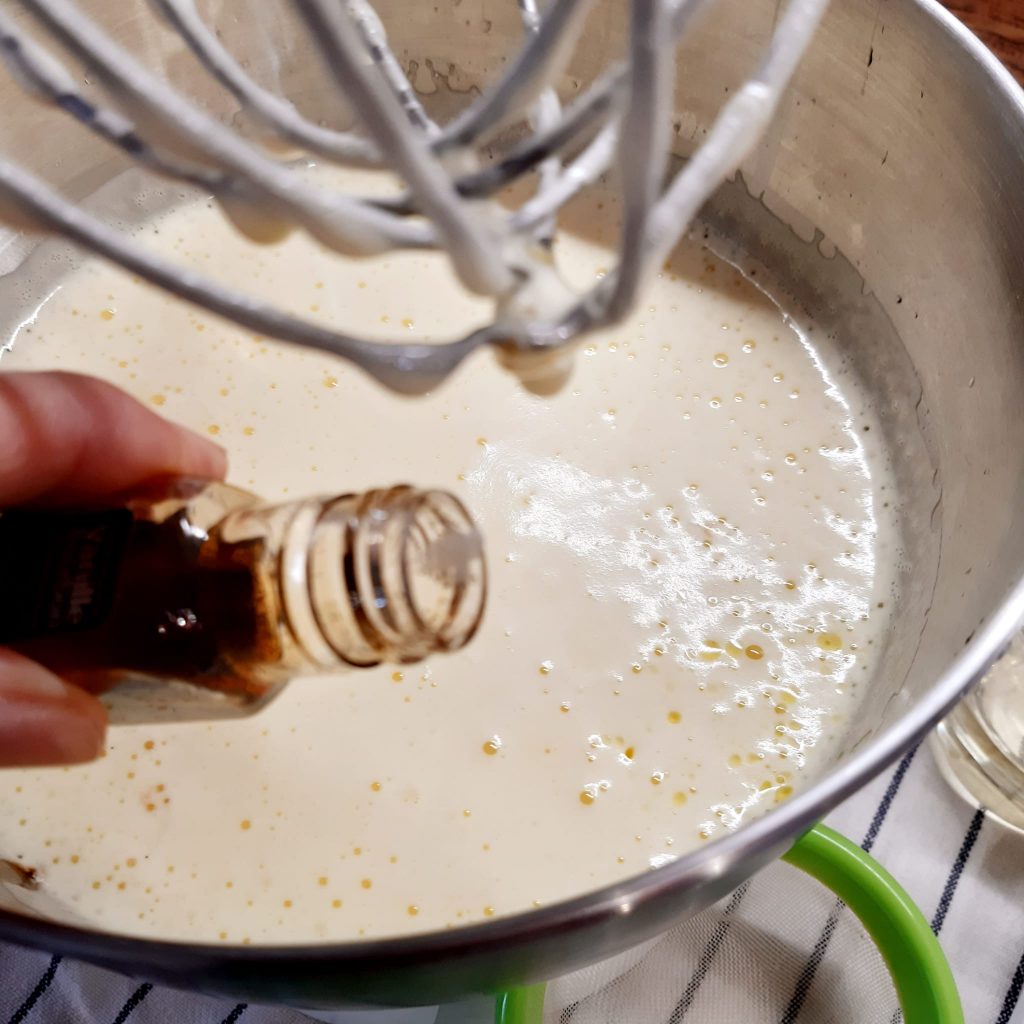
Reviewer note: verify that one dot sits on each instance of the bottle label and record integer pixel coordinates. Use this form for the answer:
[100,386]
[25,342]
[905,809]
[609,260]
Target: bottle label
[58,570]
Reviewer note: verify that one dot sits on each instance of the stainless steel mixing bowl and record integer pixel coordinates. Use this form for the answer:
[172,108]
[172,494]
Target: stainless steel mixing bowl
[887,202]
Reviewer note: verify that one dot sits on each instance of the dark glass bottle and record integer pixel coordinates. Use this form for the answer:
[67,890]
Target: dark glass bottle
[206,600]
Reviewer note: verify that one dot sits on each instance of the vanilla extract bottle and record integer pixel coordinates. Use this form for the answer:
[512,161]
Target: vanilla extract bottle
[192,599]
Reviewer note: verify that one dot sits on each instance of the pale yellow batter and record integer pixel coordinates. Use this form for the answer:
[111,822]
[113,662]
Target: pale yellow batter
[689,562]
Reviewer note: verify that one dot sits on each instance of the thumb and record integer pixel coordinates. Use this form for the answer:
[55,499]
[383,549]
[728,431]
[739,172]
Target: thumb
[43,720]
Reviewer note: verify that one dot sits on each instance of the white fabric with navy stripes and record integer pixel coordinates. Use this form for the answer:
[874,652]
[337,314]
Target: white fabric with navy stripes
[966,874]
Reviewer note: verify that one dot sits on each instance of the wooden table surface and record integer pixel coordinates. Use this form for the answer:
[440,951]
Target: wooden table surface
[1000,23]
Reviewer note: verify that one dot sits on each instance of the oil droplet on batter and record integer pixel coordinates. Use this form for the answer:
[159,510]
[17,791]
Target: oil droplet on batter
[712,651]
[107,314]
[367,883]
[492,746]
[213,429]
[546,667]
[830,642]
[657,778]
[675,717]
[397,677]
[488,911]
[412,910]
[330,381]
[375,786]
[158,399]
[245,825]
[753,652]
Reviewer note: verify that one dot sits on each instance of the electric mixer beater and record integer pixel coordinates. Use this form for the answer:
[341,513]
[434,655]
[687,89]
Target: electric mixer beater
[450,174]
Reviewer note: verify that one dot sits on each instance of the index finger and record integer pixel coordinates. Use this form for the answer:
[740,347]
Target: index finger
[66,437]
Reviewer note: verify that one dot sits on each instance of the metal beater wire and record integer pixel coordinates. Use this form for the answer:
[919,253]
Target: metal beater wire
[622,118]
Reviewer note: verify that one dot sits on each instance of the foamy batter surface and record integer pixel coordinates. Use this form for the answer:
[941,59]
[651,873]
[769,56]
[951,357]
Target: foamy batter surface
[689,561]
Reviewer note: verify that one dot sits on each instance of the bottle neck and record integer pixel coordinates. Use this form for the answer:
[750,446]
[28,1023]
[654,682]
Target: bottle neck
[385,576]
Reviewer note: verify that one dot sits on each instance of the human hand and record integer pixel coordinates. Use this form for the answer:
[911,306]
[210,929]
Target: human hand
[68,438]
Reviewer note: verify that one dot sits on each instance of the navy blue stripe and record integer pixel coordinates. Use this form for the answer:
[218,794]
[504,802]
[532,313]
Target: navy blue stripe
[952,881]
[235,1013]
[973,831]
[806,978]
[718,934]
[886,802]
[33,997]
[803,984]
[133,1001]
[1012,993]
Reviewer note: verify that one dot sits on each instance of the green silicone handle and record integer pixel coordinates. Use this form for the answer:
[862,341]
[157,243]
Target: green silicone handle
[918,967]
[521,1006]
[920,972]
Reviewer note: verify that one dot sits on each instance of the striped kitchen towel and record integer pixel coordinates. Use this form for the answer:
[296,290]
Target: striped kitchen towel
[965,872]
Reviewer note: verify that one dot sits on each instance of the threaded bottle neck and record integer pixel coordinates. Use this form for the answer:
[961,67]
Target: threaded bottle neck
[385,576]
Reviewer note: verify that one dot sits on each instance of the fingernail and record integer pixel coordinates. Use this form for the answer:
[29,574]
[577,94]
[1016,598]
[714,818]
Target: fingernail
[204,457]
[20,676]
[38,734]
